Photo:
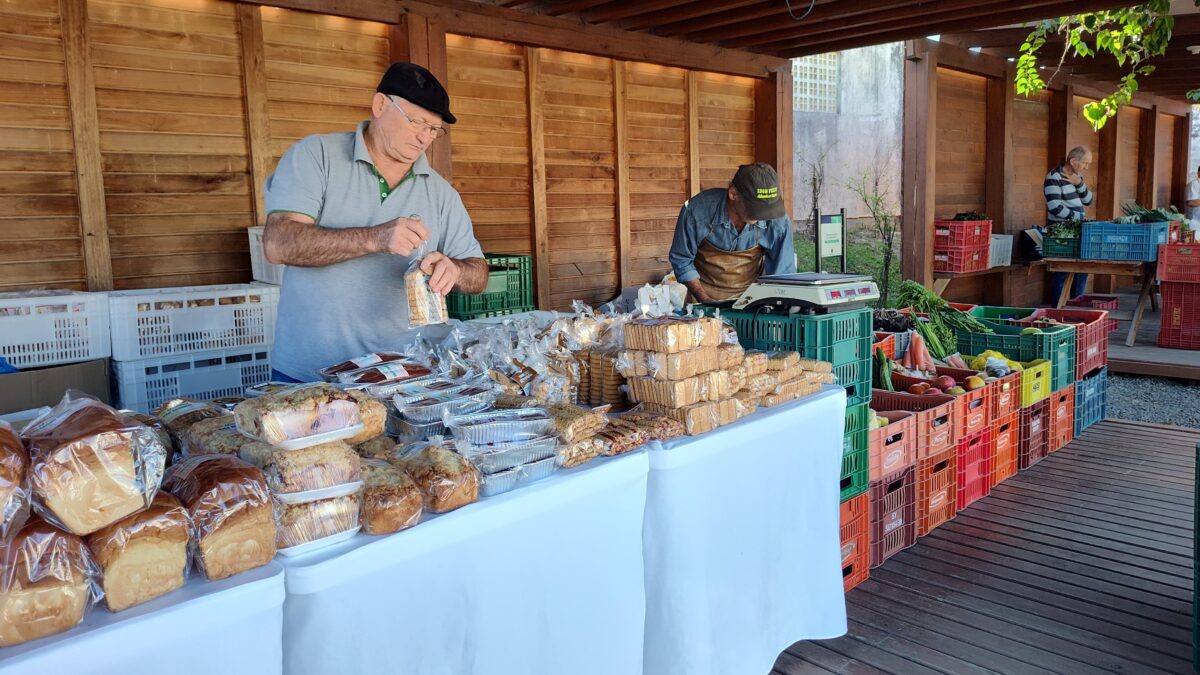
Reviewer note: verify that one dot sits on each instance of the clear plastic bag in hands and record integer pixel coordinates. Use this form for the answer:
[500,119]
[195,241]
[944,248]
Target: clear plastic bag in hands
[425,307]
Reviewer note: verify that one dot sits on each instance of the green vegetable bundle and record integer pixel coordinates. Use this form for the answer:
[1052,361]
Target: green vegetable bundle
[1136,213]
[945,322]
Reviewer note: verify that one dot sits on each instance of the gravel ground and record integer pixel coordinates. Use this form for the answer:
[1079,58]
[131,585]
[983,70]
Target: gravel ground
[1153,399]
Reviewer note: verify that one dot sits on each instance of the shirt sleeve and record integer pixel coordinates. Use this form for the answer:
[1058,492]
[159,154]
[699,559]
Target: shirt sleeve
[1056,206]
[459,240]
[781,258]
[1193,190]
[1085,195]
[683,248]
[299,182]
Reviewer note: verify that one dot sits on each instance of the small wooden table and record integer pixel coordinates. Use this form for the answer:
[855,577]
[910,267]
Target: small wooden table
[1125,268]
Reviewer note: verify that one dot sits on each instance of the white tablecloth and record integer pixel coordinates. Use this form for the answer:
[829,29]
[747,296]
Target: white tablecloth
[742,543]
[543,580]
[230,626]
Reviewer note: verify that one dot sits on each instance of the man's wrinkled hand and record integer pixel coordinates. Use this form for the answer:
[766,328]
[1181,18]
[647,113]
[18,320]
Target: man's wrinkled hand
[443,272]
[402,236]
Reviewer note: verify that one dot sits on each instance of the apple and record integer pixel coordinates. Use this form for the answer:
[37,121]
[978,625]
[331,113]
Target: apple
[957,391]
[945,382]
[974,382]
[933,391]
[918,388]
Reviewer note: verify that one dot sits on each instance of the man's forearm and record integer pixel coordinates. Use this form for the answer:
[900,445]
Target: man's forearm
[473,277]
[697,290]
[288,241]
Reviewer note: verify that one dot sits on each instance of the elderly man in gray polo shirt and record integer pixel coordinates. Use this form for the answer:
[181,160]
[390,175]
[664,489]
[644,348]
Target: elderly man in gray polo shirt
[349,212]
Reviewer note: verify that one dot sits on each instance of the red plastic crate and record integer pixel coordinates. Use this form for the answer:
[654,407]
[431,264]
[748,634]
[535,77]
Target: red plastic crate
[1062,418]
[1180,328]
[1179,263]
[962,261]
[856,541]
[886,342]
[961,234]
[937,480]
[1035,434]
[1091,335]
[893,515]
[937,417]
[974,468]
[1006,443]
[974,407]
[1096,301]
[893,447]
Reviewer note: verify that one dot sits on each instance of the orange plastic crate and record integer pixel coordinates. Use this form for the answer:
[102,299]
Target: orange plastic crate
[974,407]
[1006,442]
[1006,396]
[894,447]
[893,514]
[1062,418]
[886,342]
[936,490]
[974,467]
[937,417]
[856,541]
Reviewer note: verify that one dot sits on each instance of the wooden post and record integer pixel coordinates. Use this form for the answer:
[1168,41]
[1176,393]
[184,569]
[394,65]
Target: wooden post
[1147,154]
[998,160]
[773,128]
[422,40]
[85,131]
[918,180]
[693,120]
[1060,124]
[1108,157]
[621,133]
[1181,172]
[254,90]
[537,161]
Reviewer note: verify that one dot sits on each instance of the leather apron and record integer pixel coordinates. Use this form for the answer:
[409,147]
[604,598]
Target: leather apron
[725,275]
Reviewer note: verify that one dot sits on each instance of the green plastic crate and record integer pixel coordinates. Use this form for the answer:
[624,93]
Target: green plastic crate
[1000,314]
[1056,344]
[742,322]
[855,470]
[510,286]
[1057,247]
[491,313]
[858,418]
[840,338]
[856,378]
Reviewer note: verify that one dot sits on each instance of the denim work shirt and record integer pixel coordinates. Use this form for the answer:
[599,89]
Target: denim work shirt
[705,217]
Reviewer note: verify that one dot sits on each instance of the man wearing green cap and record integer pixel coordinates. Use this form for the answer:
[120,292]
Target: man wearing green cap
[725,238]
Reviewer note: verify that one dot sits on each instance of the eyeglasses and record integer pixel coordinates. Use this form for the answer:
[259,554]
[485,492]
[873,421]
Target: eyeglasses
[418,125]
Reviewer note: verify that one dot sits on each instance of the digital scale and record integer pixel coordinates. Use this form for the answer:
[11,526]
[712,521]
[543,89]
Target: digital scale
[808,293]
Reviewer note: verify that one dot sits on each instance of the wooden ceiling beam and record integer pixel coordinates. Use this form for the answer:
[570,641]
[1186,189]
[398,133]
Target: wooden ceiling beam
[624,9]
[703,15]
[564,7]
[775,18]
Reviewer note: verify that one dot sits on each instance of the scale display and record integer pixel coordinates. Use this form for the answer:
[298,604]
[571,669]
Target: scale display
[808,292]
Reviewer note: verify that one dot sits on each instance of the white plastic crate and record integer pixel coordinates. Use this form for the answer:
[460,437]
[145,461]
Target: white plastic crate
[166,321]
[1001,253]
[148,383]
[261,269]
[53,327]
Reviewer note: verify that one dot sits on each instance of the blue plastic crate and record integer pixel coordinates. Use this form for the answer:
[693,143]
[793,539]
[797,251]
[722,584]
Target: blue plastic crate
[1114,241]
[1091,399]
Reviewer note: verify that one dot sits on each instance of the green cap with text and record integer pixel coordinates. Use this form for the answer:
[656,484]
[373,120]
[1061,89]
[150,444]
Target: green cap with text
[758,185]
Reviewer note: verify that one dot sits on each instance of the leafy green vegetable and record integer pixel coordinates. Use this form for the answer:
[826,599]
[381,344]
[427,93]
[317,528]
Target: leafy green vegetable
[1065,229]
[945,322]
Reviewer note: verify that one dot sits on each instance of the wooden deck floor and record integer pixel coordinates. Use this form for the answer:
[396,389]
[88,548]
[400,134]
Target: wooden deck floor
[1080,564]
[1145,357]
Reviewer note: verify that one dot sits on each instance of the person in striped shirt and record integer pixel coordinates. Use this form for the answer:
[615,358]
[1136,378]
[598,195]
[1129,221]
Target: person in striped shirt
[1066,196]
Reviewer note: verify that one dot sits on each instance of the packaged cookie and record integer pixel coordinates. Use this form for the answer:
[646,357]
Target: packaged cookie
[620,437]
[669,393]
[815,366]
[661,366]
[424,306]
[730,355]
[667,334]
[782,360]
[755,363]
[658,427]
[574,423]
[579,452]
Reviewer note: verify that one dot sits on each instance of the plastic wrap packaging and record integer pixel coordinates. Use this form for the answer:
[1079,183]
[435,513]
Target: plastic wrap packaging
[815,366]
[331,373]
[574,423]
[579,452]
[410,432]
[48,579]
[670,334]
[230,508]
[605,382]
[145,555]
[676,366]
[14,483]
[391,500]
[497,457]
[303,523]
[267,388]
[499,483]
[658,427]
[790,391]
[620,437]
[669,393]
[505,383]
[755,363]
[386,373]
[788,374]
[307,414]
[154,424]
[379,448]
[424,306]
[431,407]
[782,360]
[700,418]
[749,400]
[737,378]
[514,402]
[177,415]
[311,468]
[502,426]
[550,388]
[586,393]
[213,436]
[446,479]
[760,385]
[730,355]
[227,402]
[372,413]
[89,467]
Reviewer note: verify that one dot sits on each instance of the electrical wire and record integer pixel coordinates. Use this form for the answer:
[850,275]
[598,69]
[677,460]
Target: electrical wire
[811,4]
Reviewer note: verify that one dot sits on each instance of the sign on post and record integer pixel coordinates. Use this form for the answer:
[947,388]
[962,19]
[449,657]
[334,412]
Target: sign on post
[831,236]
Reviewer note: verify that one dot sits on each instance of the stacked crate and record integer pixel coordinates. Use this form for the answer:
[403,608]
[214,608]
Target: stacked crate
[961,246]
[202,342]
[53,328]
[509,290]
[1062,419]
[1179,285]
[856,541]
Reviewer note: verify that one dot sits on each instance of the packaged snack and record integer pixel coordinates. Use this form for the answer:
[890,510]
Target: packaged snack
[307,414]
[424,306]
[89,467]
[730,355]
[514,401]
[620,437]
[498,483]
[385,373]
[580,452]
[815,366]
[303,523]
[331,373]
[48,579]
[668,334]
[373,415]
[782,360]
[502,426]
[446,479]
[497,457]
[755,363]
[760,385]
[179,414]
[391,500]
[14,482]
[657,426]
[231,513]
[311,468]
[213,436]
[661,366]
[380,448]
[145,555]
[574,423]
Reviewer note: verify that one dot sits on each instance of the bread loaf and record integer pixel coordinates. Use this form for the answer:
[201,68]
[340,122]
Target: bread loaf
[213,436]
[144,555]
[14,482]
[373,415]
[310,468]
[47,581]
[179,414]
[230,508]
[89,467]
[380,447]
[446,479]
[154,424]
[298,524]
[391,500]
[297,413]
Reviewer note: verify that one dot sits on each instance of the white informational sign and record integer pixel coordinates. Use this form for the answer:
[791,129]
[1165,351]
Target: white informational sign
[831,236]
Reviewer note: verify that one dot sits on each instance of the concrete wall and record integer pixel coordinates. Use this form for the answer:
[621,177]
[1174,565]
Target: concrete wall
[1194,158]
[866,131]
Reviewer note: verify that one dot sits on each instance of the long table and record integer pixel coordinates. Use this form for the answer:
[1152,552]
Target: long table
[1144,270]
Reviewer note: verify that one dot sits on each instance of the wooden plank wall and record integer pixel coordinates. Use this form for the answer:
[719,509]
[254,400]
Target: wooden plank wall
[1129,137]
[726,114]
[1031,138]
[1164,159]
[1079,132]
[961,142]
[40,241]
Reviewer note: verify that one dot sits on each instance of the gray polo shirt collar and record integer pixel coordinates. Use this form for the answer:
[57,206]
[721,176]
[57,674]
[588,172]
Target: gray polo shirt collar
[419,167]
